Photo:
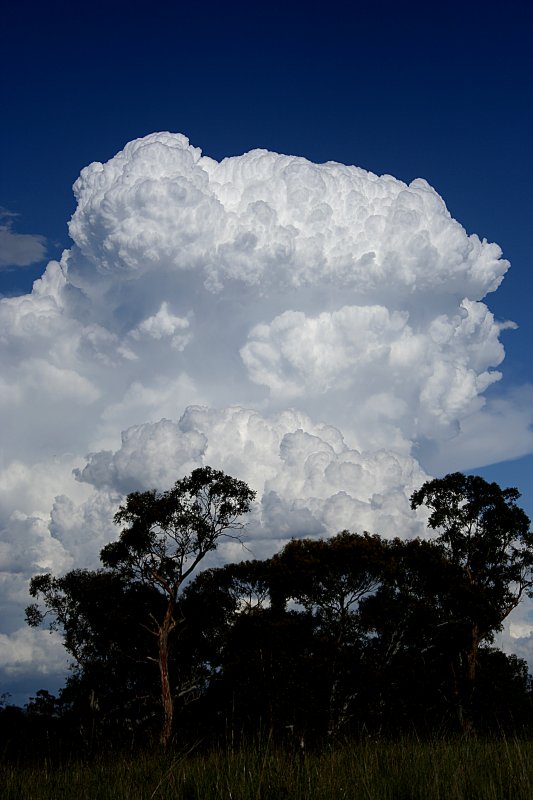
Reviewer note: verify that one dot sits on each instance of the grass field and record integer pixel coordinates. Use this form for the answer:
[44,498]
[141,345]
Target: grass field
[405,770]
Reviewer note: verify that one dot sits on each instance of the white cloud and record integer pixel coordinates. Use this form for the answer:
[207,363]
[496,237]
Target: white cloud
[164,325]
[272,222]
[425,375]
[27,546]
[31,653]
[287,458]
[308,328]
[296,354]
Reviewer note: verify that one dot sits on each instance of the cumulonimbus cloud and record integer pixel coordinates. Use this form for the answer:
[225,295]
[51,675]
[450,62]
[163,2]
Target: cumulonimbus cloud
[309,328]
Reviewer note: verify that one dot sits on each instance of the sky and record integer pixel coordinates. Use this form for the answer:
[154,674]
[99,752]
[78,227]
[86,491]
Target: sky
[291,244]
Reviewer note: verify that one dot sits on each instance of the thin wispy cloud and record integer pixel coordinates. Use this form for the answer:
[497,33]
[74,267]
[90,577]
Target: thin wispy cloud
[18,249]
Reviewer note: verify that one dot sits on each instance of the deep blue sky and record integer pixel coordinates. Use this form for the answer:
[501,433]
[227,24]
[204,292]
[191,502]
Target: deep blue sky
[442,92]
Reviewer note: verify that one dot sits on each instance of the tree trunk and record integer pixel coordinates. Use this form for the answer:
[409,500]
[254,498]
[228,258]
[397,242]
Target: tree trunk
[166,695]
[458,695]
[471,657]
[469,680]
[463,682]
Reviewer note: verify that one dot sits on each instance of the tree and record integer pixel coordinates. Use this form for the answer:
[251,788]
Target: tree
[331,579]
[487,536]
[166,536]
[409,638]
[98,613]
[261,667]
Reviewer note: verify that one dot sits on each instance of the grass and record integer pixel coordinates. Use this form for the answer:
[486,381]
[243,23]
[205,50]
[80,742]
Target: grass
[404,770]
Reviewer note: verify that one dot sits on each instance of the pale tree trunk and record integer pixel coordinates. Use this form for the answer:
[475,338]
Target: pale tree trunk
[164,631]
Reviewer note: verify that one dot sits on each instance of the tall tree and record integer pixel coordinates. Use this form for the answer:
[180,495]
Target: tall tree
[330,579]
[166,536]
[487,536]
[409,636]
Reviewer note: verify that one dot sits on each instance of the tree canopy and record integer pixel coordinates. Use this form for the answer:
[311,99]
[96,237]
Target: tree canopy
[348,635]
[487,537]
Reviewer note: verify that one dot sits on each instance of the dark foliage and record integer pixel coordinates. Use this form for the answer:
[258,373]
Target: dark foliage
[345,637]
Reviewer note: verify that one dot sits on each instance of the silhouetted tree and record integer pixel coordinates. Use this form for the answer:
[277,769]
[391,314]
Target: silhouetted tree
[330,578]
[100,613]
[410,639]
[166,537]
[486,535]
[263,672]
[345,634]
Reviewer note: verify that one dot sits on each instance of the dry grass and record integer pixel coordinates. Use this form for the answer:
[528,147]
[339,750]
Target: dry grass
[404,770]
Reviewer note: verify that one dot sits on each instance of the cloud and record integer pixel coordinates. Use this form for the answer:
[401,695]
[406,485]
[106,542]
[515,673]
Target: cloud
[276,223]
[501,430]
[314,329]
[432,371]
[296,354]
[18,249]
[307,479]
[28,657]
[164,325]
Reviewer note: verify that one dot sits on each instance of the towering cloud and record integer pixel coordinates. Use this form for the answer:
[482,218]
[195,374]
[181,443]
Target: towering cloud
[315,330]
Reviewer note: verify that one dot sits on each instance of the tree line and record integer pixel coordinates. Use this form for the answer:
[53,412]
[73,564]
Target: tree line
[349,636]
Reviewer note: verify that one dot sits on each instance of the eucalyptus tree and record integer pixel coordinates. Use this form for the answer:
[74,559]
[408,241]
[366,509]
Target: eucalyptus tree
[111,684]
[331,579]
[166,536]
[486,535]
